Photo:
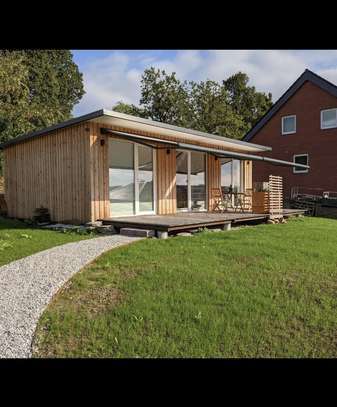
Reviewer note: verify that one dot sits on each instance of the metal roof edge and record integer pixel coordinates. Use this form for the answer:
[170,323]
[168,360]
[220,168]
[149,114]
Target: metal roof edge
[155,123]
[70,122]
[110,113]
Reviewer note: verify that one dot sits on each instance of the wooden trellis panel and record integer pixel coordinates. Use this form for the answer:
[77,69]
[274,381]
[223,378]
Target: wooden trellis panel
[275,195]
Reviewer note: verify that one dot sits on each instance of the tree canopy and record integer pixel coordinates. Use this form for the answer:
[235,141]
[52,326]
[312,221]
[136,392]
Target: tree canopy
[38,88]
[229,108]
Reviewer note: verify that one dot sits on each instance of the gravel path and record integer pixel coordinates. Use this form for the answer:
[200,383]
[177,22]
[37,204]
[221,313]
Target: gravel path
[27,286]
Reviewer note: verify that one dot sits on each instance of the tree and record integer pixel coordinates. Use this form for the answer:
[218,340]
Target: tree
[133,110]
[38,88]
[245,100]
[228,109]
[164,97]
[14,96]
[211,111]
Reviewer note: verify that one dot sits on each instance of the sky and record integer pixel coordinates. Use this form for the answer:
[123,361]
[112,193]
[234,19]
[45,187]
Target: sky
[114,75]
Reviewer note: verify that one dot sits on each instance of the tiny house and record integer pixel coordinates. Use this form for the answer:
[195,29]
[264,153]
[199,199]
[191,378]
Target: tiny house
[107,164]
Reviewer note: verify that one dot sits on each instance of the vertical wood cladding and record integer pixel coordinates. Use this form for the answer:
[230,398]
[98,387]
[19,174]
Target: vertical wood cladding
[166,182]
[50,171]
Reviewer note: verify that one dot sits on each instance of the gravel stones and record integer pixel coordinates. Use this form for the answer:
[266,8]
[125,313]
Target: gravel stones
[27,286]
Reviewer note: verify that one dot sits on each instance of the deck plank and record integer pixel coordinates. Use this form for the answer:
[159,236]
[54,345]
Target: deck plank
[188,220]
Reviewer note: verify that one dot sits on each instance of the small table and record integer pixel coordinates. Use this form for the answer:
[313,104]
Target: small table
[238,200]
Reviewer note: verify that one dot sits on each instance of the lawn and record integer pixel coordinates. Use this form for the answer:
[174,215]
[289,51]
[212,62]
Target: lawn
[18,240]
[262,291]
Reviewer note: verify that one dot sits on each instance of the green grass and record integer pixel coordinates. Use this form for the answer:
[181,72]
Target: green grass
[18,240]
[263,291]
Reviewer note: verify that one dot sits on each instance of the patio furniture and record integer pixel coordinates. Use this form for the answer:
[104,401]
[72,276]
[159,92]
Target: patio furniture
[239,199]
[228,201]
[218,200]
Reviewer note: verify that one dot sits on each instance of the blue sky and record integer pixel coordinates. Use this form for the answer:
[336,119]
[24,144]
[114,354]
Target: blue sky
[114,75]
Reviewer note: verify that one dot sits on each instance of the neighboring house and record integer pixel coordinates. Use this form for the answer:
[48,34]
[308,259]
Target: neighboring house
[106,164]
[301,127]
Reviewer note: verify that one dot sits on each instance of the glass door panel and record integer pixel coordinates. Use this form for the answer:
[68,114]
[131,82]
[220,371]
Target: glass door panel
[145,178]
[121,178]
[226,174]
[131,178]
[198,181]
[182,180]
[236,173]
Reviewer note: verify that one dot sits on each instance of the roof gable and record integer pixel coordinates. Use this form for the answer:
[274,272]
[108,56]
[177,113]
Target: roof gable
[307,75]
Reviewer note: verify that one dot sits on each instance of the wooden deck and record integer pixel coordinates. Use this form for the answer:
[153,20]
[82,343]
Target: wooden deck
[190,220]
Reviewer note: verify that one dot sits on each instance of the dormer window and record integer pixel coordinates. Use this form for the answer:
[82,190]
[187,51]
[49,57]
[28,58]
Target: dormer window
[289,124]
[328,119]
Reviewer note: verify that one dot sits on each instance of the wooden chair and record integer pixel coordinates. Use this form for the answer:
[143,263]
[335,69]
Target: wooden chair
[244,201]
[217,198]
[228,201]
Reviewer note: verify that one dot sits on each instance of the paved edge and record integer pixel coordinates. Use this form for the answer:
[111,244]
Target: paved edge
[28,285]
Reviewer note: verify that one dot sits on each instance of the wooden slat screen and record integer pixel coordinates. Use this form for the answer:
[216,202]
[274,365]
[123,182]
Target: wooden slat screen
[275,195]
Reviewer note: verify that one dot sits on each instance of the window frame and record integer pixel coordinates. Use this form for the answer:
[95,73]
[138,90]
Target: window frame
[287,117]
[189,183]
[302,171]
[327,110]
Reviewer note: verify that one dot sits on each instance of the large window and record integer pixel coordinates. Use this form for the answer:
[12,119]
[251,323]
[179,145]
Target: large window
[121,178]
[328,119]
[198,180]
[191,180]
[145,178]
[130,178]
[301,159]
[289,124]
[230,175]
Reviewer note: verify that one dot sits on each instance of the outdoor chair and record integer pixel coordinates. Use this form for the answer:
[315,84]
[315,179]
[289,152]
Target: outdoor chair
[243,200]
[228,201]
[218,200]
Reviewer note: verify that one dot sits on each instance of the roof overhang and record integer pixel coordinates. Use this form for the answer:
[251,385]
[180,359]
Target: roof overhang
[157,143]
[134,123]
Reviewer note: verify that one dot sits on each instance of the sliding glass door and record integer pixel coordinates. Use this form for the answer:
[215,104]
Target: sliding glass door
[144,179]
[231,175]
[121,178]
[191,180]
[131,178]
[182,180]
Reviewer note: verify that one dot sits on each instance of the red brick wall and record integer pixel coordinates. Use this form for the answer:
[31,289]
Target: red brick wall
[321,145]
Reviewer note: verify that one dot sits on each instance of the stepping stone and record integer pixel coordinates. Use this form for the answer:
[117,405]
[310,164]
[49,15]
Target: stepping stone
[107,229]
[137,232]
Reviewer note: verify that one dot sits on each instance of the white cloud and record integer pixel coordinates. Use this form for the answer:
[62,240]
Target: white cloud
[107,81]
[117,76]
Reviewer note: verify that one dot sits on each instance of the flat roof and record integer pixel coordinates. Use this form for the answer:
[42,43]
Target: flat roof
[138,123]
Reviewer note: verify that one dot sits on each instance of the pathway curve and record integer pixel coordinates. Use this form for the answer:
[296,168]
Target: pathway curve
[27,286]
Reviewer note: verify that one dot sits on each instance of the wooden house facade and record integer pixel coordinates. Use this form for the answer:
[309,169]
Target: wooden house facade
[108,164]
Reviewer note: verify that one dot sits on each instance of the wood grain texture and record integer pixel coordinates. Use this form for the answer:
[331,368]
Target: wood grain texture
[67,171]
[166,182]
[49,171]
[213,178]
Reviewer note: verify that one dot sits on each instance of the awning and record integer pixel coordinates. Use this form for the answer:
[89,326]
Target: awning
[139,139]
[242,156]
[218,153]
